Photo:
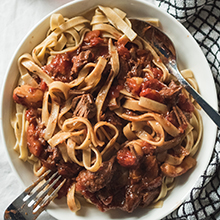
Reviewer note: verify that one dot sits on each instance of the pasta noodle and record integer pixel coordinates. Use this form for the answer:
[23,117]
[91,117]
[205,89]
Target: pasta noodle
[95,102]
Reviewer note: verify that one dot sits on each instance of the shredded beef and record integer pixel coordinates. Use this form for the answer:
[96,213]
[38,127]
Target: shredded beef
[68,170]
[93,182]
[84,106]
[112,118]
[139,60]
[144,184]
[149,197]
[132,198]
[114,186]
[171,92]
[80,60]
[35,140]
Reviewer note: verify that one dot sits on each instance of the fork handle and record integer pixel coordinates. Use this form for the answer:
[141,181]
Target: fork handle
[12,214]
[210,111]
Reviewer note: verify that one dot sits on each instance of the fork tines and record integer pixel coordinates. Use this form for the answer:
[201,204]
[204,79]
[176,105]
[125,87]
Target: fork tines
[29,204]
[39,194]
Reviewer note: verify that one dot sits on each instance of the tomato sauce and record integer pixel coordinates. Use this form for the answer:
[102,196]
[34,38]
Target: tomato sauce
[133,86]
[152,94]
[157,72]
[122,50]
[126,158]
[115,91]
[185,104]
[59,68]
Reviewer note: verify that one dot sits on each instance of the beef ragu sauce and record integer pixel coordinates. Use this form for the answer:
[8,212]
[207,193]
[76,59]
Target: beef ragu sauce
[126,180]
[64,67]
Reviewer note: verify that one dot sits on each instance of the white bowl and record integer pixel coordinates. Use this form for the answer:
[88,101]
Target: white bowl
[189,56]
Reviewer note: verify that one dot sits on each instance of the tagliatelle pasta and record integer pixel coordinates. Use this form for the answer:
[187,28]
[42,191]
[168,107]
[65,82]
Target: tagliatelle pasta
[95,102]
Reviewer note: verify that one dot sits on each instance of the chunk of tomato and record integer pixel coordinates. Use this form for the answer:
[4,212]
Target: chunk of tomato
[152,94]
[133,86]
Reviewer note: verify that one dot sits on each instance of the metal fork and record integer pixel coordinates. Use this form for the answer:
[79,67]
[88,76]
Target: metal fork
[34,199]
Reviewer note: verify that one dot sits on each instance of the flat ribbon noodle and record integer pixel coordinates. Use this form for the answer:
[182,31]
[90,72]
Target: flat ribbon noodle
[25,76]
[158,139]
[72,151]
[157,61]
[100,22]
[63,150]
[136,146]
[50,119]
[61,136]
[98,18]
[49,44]
[100,99]
[71,45]
[72,123]
[86,159]
[92,165]
[152,105]
[196,122]
[133,104]
[82,74]
[28,62]
[38,168]
[167,185]
[168,127]
[177,159]
[72,202]
[111,140]
[55,21]
[118,22]
[64,110]
[127,131]
[94,77]
[19,125]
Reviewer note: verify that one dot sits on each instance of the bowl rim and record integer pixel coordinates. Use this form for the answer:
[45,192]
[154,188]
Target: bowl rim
[21,44]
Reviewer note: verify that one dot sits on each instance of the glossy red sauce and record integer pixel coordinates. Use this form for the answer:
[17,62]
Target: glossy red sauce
[133,86]
[59,68]
[171,117]
[91,35]
[156,72]
[126,158]
[149,89]
[122,50]
[34,144]
[152,84]
[43,86]
[152,94]
[185,104]
[147,148]
[115,91]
